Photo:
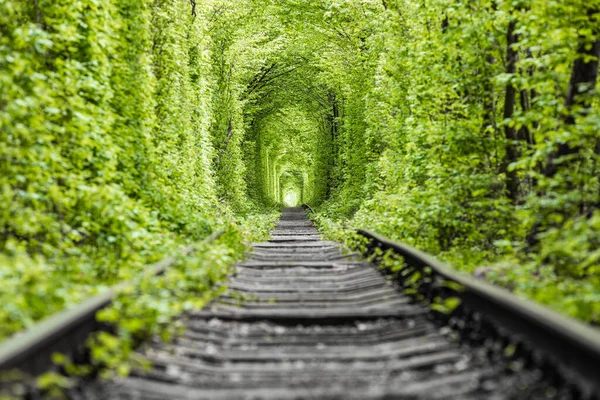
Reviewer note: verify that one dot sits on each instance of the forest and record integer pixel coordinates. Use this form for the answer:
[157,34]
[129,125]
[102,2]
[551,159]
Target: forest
[130,128]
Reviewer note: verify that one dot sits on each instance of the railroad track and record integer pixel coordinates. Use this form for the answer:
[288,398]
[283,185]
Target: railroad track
[302,319]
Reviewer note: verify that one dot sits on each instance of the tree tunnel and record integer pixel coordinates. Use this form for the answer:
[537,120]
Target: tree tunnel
[468,129]
[292,146]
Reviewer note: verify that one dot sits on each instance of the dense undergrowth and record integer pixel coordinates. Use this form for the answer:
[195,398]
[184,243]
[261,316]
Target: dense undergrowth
[132,128]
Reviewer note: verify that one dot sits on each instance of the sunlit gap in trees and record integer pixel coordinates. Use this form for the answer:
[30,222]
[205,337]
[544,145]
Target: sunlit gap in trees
[290,198]
[292,185]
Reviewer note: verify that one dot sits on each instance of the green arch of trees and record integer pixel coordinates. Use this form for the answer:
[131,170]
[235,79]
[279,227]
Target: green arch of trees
[462,128]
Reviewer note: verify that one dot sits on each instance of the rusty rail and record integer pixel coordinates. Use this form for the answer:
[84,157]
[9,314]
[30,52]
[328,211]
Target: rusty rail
[568,345]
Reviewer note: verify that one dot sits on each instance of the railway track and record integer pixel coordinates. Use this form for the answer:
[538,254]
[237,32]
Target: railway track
[302,319]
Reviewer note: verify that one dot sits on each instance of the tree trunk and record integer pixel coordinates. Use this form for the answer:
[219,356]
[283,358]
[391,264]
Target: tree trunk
[583,81]
[510,134]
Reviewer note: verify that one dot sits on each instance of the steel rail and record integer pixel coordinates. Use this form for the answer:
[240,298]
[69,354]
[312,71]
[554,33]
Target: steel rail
[571,346]
[31,351]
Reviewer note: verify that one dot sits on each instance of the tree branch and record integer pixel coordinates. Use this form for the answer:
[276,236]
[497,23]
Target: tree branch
[193,3]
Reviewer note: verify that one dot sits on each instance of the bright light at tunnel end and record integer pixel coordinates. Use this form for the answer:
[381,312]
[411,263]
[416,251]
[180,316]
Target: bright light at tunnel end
[290,199]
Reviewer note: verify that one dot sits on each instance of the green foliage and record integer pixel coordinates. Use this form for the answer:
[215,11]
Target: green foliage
[91,192]
[106,158]
[438,167]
